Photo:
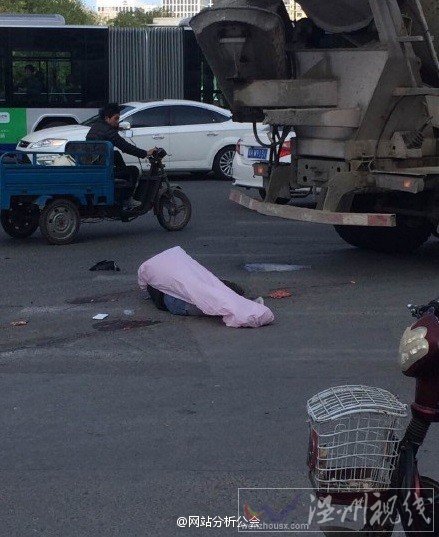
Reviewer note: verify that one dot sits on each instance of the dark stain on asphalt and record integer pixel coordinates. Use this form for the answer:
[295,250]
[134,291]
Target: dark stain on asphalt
[187,411]
[120,324]
[37,343]
[47,342]
[98,299]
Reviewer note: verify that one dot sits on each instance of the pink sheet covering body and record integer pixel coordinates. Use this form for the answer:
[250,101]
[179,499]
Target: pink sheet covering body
[175,273]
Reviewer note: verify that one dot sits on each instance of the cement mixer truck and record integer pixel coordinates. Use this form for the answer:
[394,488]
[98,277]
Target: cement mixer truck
[358,81]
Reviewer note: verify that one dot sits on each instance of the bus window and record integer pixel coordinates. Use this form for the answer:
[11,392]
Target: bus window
[2,81]
[59,67]
[95,70]
[3,76]
[28,83]
[45,79]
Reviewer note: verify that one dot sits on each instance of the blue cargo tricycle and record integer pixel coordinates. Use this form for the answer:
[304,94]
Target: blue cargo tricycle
[57,192]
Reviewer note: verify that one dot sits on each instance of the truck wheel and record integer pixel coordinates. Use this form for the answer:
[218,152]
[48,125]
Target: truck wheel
[408,235]
[223,163]
[20,222]
[59,221]
[173,210]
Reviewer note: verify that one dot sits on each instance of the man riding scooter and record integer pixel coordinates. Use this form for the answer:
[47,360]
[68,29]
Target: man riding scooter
[106,128]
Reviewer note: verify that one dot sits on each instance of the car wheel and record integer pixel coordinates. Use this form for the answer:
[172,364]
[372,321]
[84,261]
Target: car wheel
[59,221]
[223,163]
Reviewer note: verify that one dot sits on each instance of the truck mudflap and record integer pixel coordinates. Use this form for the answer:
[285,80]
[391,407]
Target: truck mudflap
[313,215]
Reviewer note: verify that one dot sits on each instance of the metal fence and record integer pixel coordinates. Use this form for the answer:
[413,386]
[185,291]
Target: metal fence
[146,63]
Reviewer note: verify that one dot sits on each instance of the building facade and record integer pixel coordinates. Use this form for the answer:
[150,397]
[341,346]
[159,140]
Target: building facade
[108,9]
[294,9]
[184,8]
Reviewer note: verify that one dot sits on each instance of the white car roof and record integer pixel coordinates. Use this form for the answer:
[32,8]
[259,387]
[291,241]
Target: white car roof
[173,102]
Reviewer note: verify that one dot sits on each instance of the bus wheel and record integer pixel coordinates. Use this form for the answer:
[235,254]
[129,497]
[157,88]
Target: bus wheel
[20,222]
[59,221]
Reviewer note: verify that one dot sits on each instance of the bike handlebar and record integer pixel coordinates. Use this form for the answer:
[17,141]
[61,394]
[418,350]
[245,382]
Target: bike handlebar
[158,154]
[418,311]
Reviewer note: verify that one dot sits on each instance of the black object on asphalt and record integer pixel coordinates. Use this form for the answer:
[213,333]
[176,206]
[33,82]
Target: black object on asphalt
[105,265]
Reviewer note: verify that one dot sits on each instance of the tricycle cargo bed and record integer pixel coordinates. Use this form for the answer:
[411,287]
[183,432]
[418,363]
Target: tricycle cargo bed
[84,173]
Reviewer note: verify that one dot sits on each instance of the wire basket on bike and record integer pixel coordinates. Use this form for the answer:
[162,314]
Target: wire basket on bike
[354,436]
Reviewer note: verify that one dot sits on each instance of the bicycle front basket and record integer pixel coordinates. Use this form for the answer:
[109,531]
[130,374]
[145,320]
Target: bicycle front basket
[354,436]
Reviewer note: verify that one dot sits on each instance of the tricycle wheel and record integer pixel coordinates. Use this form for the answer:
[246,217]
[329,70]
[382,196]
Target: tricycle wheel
[173,210]
[21,221]
[59,221]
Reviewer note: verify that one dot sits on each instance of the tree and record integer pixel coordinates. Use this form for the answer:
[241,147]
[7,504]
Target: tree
[73,11]
[137,18]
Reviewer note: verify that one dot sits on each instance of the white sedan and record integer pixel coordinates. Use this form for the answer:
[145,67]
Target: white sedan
[248,152]
[198,137]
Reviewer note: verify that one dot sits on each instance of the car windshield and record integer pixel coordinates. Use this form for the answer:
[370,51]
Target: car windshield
[91,120]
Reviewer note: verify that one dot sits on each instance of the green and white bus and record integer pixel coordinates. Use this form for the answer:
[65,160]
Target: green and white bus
[52,74]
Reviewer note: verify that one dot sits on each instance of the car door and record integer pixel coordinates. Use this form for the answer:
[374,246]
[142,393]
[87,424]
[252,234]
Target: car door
[150,128]
[194,131]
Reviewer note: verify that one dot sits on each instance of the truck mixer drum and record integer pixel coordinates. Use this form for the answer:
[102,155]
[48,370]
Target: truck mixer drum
[338,15]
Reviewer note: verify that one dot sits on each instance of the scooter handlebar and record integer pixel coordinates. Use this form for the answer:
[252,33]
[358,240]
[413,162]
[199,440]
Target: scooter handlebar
[418,311]
[158,154]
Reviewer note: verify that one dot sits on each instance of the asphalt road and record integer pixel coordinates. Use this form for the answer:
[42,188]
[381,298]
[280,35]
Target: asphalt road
[120,432]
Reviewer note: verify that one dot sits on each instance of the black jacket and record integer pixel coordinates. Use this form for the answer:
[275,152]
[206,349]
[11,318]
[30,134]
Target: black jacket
[101,130]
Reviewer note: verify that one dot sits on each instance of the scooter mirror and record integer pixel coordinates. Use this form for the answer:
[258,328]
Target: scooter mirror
[126,129]
[125,125]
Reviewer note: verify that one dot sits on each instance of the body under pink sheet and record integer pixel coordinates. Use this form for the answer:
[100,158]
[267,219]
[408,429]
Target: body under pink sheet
[175,273]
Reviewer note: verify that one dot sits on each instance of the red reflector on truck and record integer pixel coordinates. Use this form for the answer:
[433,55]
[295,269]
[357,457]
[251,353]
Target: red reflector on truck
[395,181]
